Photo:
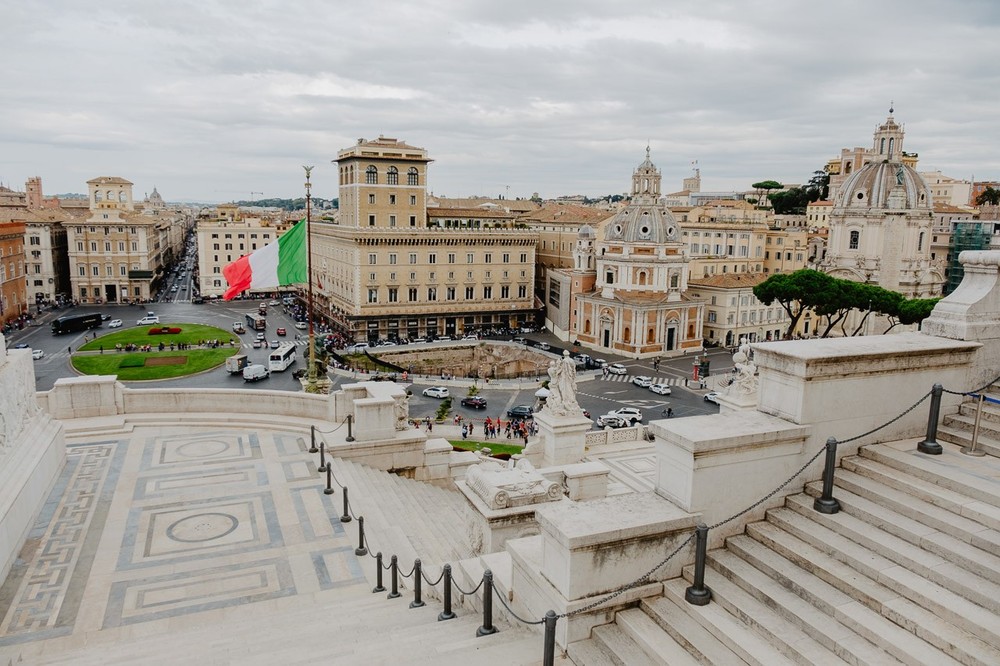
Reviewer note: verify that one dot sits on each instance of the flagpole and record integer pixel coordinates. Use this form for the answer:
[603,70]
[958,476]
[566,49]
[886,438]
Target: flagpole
[311,374]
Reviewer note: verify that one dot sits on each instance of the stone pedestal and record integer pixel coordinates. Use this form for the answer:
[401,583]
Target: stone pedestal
[733,401]
[563,438]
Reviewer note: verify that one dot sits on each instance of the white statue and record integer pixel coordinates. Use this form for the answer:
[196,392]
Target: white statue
[562,387]
[402,412]
[746,380]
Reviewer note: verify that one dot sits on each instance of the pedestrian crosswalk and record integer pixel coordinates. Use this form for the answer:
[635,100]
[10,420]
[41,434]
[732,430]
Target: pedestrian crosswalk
[670,381]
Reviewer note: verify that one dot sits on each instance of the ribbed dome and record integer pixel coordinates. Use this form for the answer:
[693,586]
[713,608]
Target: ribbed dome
[586,231]
[642,224]
[872,185]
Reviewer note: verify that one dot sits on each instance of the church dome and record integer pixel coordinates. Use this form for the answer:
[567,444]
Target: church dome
[884,184]
[642,223]
[586,231]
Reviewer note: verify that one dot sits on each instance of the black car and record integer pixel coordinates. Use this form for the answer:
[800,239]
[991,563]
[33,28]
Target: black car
[475,402]
[520,412]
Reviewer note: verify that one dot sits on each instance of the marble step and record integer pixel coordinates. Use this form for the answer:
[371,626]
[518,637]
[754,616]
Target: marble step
[973,477]
[741,585]
[854,615]
[991,411]
[940,617]
[590,652]
[739,637]
[687,632]
[853,532]
[947,432]
[650,637]
[955,501]
[951,549]
[918,510]
[441,514]
[622,649]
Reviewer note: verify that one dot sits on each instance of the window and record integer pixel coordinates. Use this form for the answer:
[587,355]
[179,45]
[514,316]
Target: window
[34,240]
[470,258]
[488,258]
[450,293]
[392,220]
[373,295]
[121,269]
[412,294]
[522,291]
[95,269]
[372,259]
[215,246]
[413,220]
[371,277]
[469,293]
[855,240]
[506,258]
[392,259]
[413,277]
[504,292]
[432,258]
[674,281]
[79,246]
[412,178]
[432,293]
[920,242]
[83,269]
[413,257]
[121,246]
[371,198]
[393,295]
[93,246]
[392,199]
[371,220]
[451,257]
[392,176]
[487,292]
[371,175]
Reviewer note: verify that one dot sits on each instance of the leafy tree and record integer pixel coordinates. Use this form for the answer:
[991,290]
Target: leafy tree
[765,186]
[797,293]
[988,196]
[873,298]
[819,185]
[912,311]
[791,202]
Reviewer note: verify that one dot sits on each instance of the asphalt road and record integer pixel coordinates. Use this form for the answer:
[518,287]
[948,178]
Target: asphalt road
[599,395]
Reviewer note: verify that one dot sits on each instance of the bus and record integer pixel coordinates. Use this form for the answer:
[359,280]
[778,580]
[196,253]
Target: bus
[75,323]
[256,322]
[281,358]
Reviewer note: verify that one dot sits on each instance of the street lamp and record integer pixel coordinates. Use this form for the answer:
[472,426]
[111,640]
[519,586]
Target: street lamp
[311,374]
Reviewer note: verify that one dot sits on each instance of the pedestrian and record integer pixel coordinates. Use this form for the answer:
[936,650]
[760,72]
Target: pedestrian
[102,349]
[69,350]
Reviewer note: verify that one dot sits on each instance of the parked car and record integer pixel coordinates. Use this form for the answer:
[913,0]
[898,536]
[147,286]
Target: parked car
[470,337]
[520,412]
[544,346]
[474,401]
[38,353]
[115,323]
[712,396]
[436,392]
[631,414]
[145,321]
[255,373]
[660,389]
[22,345]
[617,369]
[273,303]
[642,381]
[281,331]
[611,421]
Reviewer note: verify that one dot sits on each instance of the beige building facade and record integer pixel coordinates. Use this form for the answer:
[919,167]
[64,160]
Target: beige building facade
[391,268]
[225,235]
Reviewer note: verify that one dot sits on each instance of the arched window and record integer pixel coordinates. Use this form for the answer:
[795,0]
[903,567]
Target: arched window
[121,196]
[586,326]
[609,277]
[920,242]
[847,168]
[651,336]
[855,240]
[881,149]
[412,177]
[642,277]
[371,175]
[97,195]
[627,335]
[892,142]
[392,176]
[674,281]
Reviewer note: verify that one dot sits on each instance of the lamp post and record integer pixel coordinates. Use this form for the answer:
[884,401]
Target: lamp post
[311,374]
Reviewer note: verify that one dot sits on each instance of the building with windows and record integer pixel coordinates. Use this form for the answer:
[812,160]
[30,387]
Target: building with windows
[733,313]
[558,226]
[639,305]
[882,222]
[223,236]
[116,254]
[46,258]
[390,267]
[13,297]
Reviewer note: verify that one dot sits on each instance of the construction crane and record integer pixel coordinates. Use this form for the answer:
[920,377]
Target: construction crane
[253,193]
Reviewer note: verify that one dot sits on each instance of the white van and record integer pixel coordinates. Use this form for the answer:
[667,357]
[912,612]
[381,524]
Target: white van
[148,319]
[254,373]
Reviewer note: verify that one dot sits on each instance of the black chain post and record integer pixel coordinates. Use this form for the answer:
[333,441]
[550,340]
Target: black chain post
[322,458]
[549,654]
[487,627]
[393,578]
[826,503]
[417,585]
[350,423]
[346,518]
[697,594]
[379,587]
[361,549]
[312,439]
[930,444]
[329,481]
[446,614]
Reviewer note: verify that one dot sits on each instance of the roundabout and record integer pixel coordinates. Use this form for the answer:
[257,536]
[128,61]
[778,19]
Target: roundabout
[161,351]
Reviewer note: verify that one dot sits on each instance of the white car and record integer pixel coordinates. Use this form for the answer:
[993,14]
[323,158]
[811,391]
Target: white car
[115,323]
[630,414]
[642,381]
[712,396]
[273,303]
[617,369]
[301,325]
[661,389]
[436,392]
[470,337]
[148,319]
[37,354]
[544,346]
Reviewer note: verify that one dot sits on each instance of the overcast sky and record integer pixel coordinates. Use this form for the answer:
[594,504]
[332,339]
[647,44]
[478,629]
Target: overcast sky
[211,100]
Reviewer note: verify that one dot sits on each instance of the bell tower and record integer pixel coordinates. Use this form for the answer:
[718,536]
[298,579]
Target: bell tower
[646,181]
[888,142]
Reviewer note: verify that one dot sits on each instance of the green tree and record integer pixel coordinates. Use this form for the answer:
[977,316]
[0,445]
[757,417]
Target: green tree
[796,293]
[871,298]
[790,202]
[912,311]
[764,187]
[819,185]
[988,196]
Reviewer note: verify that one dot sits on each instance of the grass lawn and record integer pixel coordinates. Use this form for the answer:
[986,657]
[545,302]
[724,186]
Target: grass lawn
[133,366]
[495,447]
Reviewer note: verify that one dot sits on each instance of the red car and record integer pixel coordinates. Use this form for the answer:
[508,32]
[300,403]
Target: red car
[281,331]
[475,402]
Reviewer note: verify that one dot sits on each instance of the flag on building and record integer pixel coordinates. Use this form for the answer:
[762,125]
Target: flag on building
[277,264]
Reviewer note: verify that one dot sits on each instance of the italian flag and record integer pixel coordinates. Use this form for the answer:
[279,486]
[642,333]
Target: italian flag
[277,264]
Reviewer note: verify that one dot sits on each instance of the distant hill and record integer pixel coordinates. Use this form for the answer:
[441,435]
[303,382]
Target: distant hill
[292,204]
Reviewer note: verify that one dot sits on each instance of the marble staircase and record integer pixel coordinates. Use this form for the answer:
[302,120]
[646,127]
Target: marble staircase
[908,572]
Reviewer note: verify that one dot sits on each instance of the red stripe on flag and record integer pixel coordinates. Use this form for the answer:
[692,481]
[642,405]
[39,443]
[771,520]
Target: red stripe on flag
[238,274]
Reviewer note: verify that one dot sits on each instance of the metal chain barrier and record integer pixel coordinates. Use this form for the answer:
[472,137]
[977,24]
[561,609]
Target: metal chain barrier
[412,569]
[511,611]
[887,423]
[429,581]
[473,591]
[973,391]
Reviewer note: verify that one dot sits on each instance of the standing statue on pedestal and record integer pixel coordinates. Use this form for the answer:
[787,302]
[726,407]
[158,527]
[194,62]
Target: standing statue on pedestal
[562,387]
[746,380]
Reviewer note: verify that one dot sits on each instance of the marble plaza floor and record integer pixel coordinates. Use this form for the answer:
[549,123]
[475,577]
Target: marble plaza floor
[165,522]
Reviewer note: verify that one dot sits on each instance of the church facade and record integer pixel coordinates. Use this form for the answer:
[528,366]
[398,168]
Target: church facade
[638,305]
